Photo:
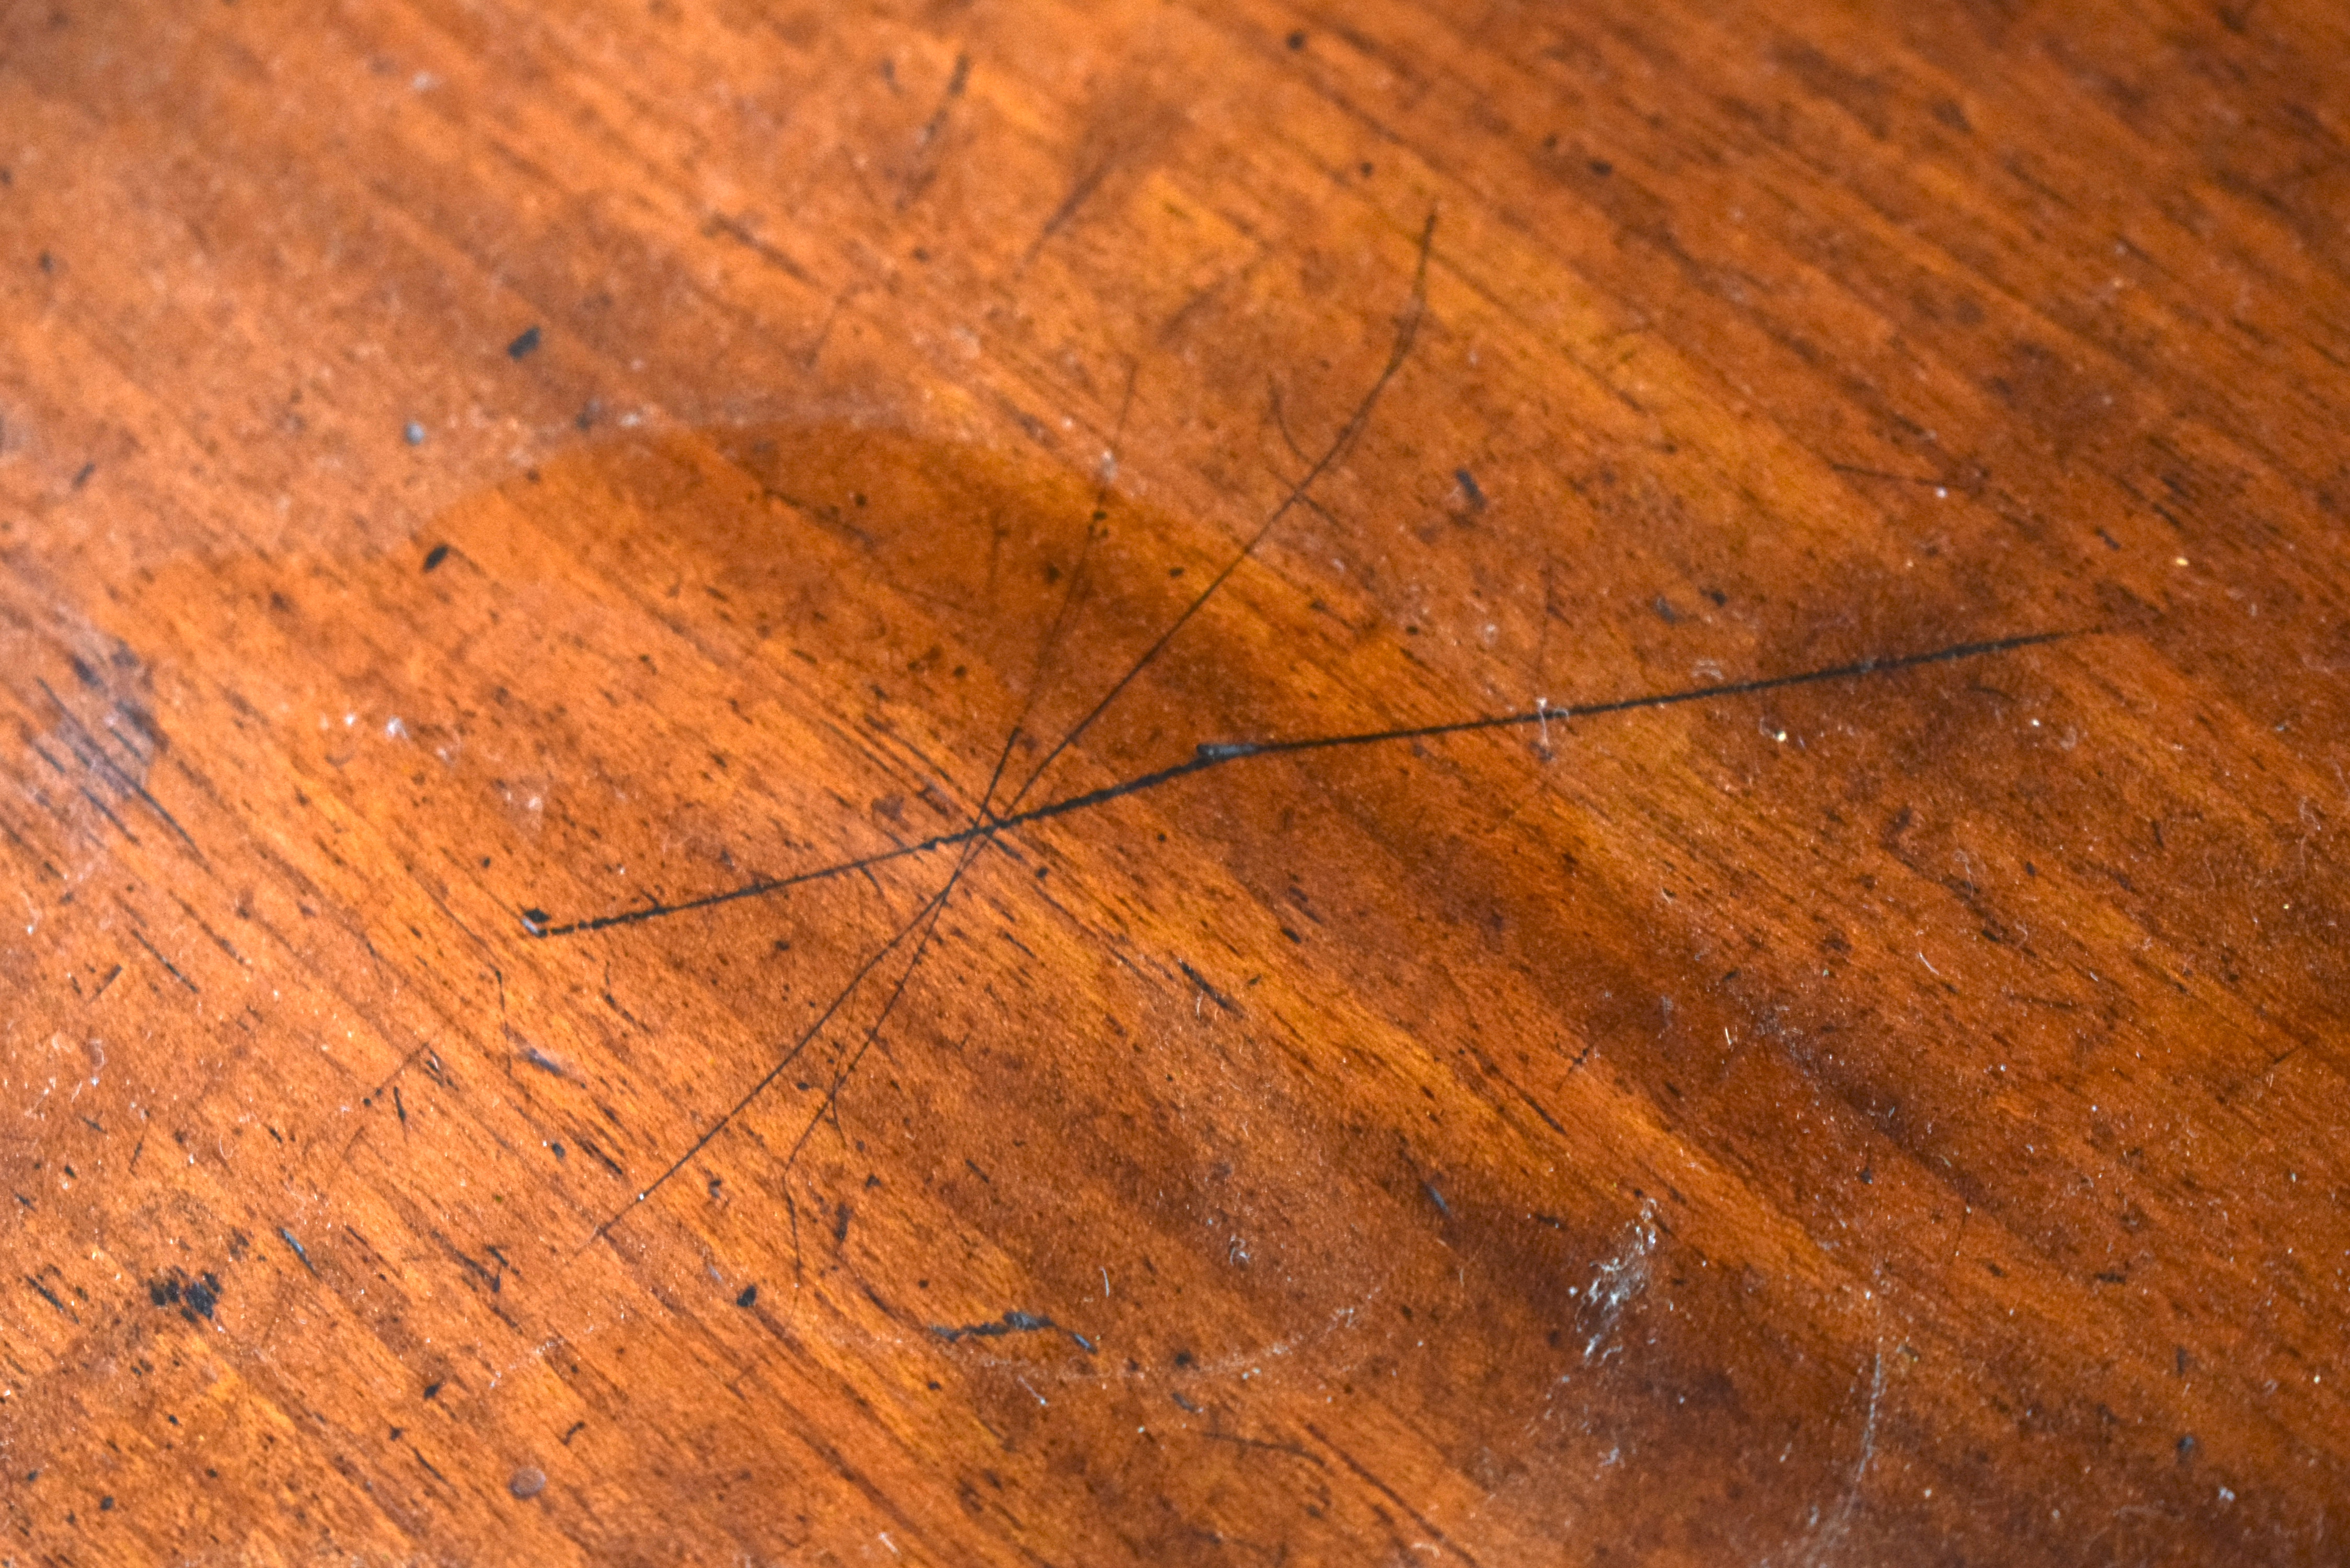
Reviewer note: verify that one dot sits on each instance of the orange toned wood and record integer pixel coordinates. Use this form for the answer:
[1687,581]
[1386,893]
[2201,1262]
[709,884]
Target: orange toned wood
[619,944]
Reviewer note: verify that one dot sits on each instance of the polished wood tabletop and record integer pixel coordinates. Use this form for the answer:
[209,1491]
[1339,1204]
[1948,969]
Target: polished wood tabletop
[1185,782]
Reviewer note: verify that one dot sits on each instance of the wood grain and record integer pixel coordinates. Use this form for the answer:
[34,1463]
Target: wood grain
[1177,783]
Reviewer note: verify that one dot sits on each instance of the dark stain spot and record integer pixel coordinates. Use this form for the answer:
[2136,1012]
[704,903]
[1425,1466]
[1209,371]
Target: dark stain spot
[435,555]
[524,344]
[750,1296]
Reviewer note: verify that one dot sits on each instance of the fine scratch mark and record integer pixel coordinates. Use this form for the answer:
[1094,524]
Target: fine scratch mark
[1833,1536]
[1290,1448]
[158,958]
[1407,332]
[981,831]
[94,754]
[926,140]
[1214,755]
[1079,194]
[930,911]
[1615,1281]
[1389,1493]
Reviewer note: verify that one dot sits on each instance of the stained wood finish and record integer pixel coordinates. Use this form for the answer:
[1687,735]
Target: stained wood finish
[479,480]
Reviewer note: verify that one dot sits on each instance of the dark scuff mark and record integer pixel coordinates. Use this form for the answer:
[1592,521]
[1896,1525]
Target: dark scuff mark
[299,1251]
[1011,1322]
[545,1063]
[50,1296]
[93,755]
[524,345]
[1210,992]
[195,1298]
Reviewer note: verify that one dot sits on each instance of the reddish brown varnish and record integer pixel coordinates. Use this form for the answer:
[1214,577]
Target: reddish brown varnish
[1891,1118]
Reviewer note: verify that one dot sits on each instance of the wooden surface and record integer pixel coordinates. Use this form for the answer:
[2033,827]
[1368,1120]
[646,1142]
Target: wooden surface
[479,481]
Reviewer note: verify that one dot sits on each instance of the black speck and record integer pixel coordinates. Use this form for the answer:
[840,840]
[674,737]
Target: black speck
[1601,167]
[524,344]
[535,919]
[750,1296]
[558,1150]
[1665,612]
[1296,40]
[1867,1176]
[433,1389]
[2187,1448]
[105,1505]
[203,1294]
[435,555]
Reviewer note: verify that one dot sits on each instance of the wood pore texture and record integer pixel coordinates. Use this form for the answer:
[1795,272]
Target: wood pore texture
[1188,781]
